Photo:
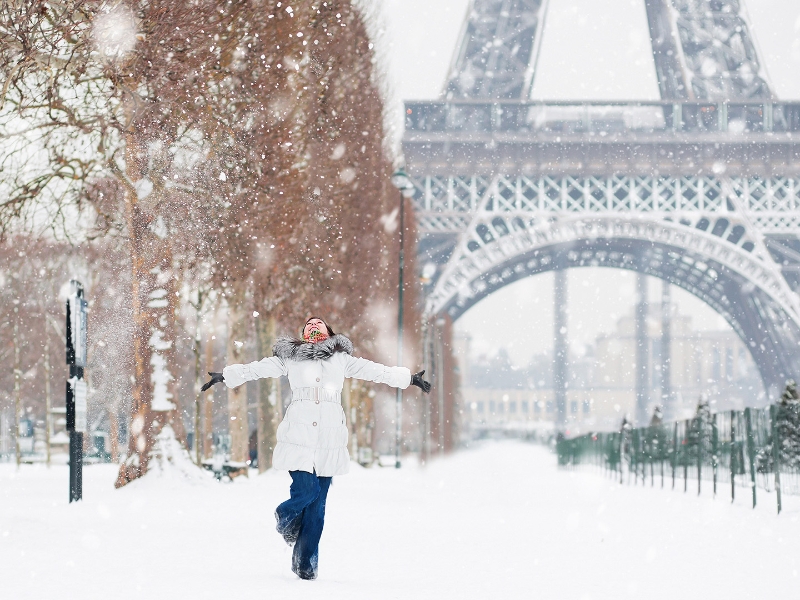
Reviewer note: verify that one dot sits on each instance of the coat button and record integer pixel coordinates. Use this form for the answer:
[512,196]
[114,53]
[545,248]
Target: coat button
[317,378]
[314,423]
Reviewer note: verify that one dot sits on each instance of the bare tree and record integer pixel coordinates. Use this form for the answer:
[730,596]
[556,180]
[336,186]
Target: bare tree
[241,140]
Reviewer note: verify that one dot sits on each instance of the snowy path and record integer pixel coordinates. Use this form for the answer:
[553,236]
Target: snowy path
[499,521]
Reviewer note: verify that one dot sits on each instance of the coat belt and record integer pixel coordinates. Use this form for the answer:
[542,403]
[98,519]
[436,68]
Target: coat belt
[318,394]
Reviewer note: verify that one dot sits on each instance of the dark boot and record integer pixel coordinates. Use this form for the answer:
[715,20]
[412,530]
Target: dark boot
[289,529]
[307,574]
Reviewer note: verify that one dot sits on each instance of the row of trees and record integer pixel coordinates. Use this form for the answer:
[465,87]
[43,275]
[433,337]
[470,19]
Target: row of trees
[193,157]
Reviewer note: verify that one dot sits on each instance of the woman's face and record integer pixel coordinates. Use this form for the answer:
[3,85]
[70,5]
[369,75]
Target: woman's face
[315,330]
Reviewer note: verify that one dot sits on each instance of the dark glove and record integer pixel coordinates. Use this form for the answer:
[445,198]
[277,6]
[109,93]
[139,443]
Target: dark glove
[215,378]
[418,381]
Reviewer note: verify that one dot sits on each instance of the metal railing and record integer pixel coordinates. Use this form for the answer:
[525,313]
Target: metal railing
[603,118]
[733,450]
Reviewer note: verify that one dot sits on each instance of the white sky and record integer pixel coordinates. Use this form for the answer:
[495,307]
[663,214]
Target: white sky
[592,49]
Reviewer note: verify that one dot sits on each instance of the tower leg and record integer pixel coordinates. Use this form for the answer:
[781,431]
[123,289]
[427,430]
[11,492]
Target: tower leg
[666,350]
[642,351]
[560,348]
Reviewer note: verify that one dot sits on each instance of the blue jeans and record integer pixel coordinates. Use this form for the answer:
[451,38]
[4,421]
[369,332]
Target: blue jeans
[301,518]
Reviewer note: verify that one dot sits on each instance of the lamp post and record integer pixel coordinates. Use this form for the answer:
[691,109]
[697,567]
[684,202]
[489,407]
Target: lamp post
[403,183]
[76,386]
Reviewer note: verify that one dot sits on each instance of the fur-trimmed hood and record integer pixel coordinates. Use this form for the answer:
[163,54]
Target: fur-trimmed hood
[289,348]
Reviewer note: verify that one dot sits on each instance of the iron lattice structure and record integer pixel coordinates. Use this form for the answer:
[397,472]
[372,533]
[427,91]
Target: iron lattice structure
[499,48]
[700,189]
[704,50]
[694,233]
[452,205]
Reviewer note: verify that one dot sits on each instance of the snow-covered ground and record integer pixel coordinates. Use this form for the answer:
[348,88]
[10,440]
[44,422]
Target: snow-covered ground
[497,521]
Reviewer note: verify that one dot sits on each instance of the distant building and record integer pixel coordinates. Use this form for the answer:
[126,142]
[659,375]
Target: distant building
[714,363]
[602,382]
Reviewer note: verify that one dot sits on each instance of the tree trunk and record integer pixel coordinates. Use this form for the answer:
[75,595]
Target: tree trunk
[237,397]
[140,432]
[163,357]
[198,381]
[208,413]
[48,400]
[269,397]
[17,399]
[113,434]
[153,309]
[361,399]
[153,316]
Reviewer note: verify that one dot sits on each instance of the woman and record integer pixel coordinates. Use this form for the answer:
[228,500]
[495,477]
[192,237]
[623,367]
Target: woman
[312,438]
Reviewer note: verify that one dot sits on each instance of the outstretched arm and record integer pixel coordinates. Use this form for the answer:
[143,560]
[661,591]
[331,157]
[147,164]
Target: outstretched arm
[236,375]
[361,368]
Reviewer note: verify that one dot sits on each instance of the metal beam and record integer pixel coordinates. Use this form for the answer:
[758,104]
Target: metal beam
[770,206]
[752,139]
[560,348]
[667,51]
[641,351]
[498,50]
[705,50]
[666,351]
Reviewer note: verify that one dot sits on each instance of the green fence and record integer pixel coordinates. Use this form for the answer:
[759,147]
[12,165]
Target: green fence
[735,452]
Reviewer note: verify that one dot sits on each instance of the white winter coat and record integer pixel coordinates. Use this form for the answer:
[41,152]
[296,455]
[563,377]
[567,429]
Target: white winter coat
[313,434]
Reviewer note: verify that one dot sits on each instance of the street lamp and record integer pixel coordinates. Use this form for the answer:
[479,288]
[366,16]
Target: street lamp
[404,184]
[76,386]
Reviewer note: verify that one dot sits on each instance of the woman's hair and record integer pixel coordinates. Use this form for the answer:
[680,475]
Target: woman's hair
[330,331]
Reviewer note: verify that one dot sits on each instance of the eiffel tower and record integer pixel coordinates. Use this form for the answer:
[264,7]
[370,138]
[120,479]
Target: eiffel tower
[700,188]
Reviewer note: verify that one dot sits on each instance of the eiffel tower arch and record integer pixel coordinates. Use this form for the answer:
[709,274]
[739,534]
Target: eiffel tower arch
[700,188]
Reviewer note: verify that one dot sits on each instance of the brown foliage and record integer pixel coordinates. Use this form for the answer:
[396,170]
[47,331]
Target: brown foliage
[230,152]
